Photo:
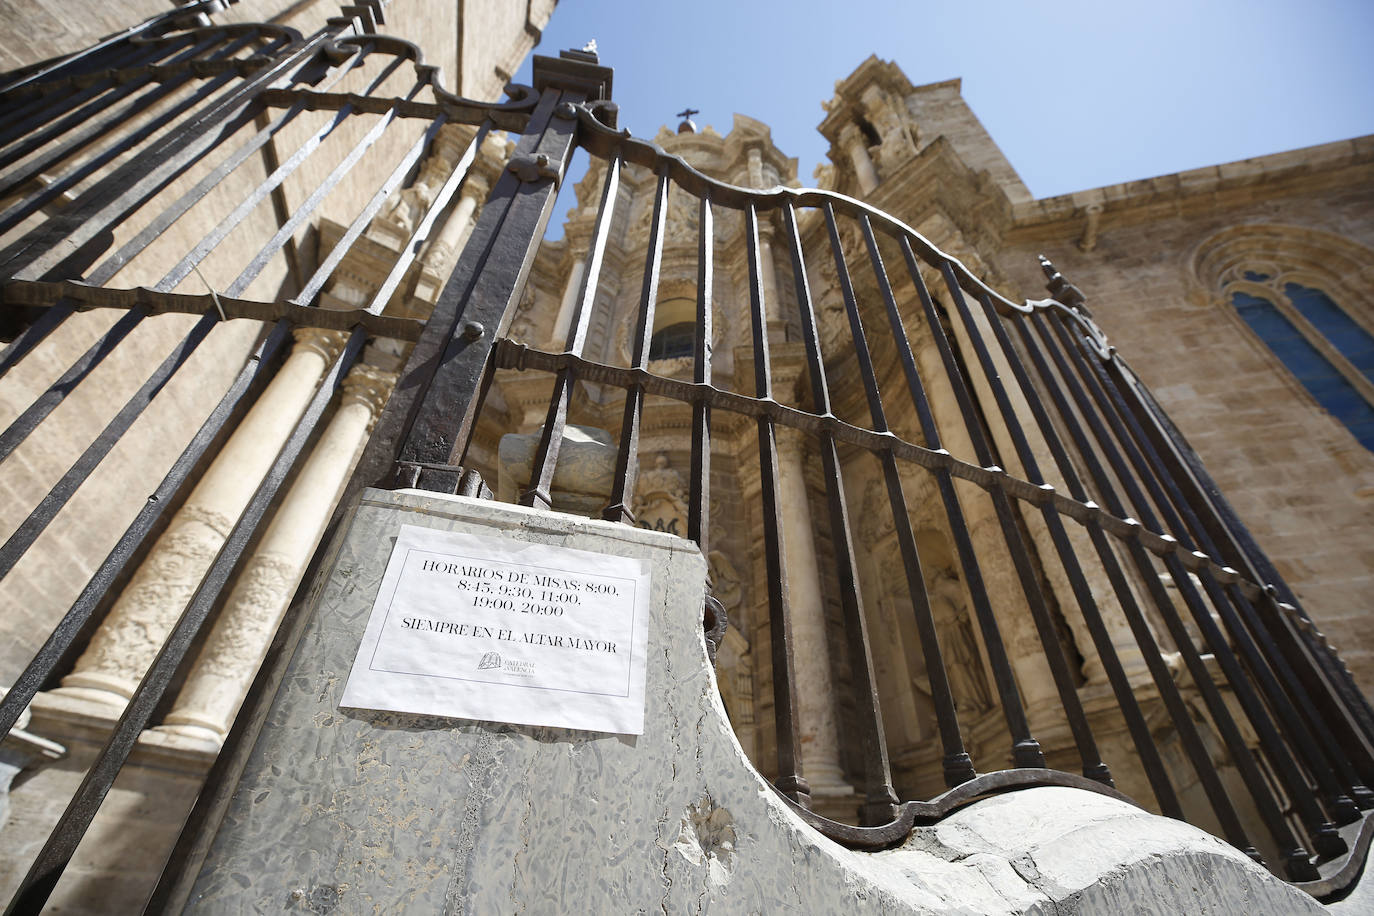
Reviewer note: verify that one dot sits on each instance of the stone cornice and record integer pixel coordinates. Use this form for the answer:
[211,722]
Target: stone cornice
[1331,164]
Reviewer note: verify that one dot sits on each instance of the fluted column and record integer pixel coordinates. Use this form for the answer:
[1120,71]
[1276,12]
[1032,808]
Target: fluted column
[820,745]
[127,642]
[230,658]
[852,139]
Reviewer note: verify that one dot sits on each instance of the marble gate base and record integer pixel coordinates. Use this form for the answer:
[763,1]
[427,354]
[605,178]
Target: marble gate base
[353,811]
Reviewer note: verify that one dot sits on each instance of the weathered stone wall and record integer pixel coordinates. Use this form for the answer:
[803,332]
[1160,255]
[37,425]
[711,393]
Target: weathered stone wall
[1297,477]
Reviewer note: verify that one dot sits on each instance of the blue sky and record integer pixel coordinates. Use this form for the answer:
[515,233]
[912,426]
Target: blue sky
[1077,94]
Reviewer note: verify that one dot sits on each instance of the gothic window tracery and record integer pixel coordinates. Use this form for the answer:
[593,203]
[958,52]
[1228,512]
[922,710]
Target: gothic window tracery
[1327,350]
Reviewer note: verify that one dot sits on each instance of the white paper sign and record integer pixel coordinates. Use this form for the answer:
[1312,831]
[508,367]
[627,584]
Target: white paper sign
[491,628]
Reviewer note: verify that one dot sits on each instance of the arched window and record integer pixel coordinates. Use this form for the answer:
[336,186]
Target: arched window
[673,341]
[675,326]
[1328,352]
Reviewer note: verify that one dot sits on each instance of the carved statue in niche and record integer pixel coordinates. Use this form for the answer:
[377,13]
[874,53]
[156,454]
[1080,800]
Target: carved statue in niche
[523,322]
[410,207]
[896,145]
[963,662]
[726,583]
[661,499]
[875,521]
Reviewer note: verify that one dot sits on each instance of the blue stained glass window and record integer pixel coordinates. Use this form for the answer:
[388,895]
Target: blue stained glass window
[1355,343]
[1331,389]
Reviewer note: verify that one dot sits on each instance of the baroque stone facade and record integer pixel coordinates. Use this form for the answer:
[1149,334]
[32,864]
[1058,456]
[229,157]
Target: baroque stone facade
[1161,261]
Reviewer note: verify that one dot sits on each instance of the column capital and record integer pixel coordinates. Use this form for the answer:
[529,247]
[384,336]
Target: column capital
[326,344]
[369,386]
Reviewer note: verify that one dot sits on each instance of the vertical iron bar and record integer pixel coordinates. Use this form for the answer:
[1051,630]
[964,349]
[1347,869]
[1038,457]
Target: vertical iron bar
[791,781]
[112,199]
[86,59]
[1150,649]
[231,406]
[105,345]
[61,845]
[618,509]
[539,493]
[1093,767]
[1335,679]
[47,136]
[956,763]
[1324,836]
[880,804]
[699,507]
[1026,751]
[36,200]
[78,107]
[1225,725]
[1106,650]
[432,412]
[1280,645]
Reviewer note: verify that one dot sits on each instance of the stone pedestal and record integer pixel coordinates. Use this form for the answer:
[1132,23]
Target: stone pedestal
[352,811]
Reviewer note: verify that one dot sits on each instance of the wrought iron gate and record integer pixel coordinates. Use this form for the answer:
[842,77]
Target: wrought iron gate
[107,151]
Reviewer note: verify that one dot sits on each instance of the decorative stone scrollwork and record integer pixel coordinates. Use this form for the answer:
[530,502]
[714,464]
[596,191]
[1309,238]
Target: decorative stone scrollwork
[661,500]
[261,591]
[123,649]
[369,386]
[328,344]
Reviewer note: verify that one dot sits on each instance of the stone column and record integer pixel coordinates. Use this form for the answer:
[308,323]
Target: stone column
[229,660]
[126,643]
[459,226]
[569,301]
[777,324]
[852,139]
[820,745]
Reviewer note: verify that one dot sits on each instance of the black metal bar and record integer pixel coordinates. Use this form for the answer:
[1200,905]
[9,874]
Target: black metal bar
[87,58]
[1325,838]
[1305,680]
[61,845]
[84,116]
[1018,543]
[699,505]
[880,798]
[112,199]
[618,507]
[1135,720]
[145,525]
[417,238]
[97,352]
[539,491]
[956,763]
[47,509]
[1294,856]
[790,781]
[35,201]
[1026,751]
[431,413]
[60,115]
